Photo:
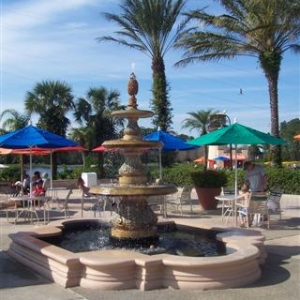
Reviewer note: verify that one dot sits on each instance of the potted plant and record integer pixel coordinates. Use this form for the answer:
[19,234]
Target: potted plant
[208,184]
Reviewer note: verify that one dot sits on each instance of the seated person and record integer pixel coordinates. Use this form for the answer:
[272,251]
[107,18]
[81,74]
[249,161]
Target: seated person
[16,188]
[46,181]
[26,184]
[36,176]
[38,189]
[85,193]
[81,185]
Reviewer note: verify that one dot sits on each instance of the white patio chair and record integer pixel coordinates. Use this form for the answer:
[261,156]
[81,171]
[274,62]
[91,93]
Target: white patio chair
[255,211]
[63,204]
[274,202]
[157,203]
[92,203]
[182,197]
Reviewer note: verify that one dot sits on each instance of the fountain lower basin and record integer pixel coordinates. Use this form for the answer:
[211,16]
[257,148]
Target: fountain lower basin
[124,269]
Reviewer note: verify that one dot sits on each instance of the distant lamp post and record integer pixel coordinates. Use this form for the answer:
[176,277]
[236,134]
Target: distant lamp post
[217,121]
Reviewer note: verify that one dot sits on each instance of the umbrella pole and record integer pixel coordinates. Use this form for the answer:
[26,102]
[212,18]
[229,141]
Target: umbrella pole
[230,155]
[235,185]
[160,165]
[30,167]
[51,177]
[22,166]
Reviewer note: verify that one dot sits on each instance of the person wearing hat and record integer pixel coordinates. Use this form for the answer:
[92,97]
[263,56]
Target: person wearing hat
[256,176]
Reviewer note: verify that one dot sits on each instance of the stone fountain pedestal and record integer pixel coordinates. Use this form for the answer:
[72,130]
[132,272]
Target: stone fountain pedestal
[135,221]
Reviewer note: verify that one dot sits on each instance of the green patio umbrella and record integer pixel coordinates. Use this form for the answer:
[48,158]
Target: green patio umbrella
[236,134]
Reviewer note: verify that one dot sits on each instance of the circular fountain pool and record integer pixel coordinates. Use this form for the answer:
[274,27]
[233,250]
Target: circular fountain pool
[115,269]
[176,240]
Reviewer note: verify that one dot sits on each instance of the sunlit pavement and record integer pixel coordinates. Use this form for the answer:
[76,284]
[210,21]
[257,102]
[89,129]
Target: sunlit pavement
[280,274]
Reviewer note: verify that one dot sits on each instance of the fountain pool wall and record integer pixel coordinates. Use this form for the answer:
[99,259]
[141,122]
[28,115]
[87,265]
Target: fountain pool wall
[122,269]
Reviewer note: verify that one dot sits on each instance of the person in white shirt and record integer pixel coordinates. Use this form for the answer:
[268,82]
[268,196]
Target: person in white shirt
[256,176]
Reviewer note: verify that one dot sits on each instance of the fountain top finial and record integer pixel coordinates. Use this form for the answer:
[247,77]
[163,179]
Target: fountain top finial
[132,89]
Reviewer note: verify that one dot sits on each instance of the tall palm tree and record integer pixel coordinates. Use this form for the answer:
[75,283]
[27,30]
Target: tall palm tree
[148,26]
[199,120]
[13,120]
[94,114]
[262,29]
[51,100]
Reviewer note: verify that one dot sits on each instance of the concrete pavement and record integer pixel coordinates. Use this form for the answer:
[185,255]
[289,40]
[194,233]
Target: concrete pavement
[280,274]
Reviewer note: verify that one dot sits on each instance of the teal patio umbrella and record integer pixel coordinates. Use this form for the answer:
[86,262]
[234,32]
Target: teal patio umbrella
[236,134]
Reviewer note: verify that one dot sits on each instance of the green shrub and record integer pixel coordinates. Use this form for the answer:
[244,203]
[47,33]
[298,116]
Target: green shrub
[13,173]
[179,174]
[285,178]
[209,178]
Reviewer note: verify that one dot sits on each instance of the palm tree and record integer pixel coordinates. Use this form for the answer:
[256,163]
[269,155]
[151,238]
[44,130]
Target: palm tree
[199,120]
[52,100]
[15,121]
[79,135]
[94,114]
[148,26]
[261,29]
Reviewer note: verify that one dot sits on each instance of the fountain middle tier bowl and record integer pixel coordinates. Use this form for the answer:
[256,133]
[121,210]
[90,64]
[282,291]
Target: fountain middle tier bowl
[133,190]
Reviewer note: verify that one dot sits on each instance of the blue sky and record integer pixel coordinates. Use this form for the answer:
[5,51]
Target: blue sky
[56,40]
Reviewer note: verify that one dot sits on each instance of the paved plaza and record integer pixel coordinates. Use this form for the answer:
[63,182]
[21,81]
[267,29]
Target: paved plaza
[280,274]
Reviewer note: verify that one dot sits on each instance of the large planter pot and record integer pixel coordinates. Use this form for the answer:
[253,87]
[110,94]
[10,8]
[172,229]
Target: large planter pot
[207,196]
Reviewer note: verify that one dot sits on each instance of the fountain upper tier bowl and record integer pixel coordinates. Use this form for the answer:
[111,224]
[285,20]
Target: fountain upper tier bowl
[131,112]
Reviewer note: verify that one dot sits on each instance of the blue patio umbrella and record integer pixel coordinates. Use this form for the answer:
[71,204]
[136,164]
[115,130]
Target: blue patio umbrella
[221,158]
[30,136]
[169,143]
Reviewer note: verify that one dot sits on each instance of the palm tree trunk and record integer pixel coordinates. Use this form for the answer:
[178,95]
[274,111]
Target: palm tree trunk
[101,169]
[160,102]
[270,63]
[83,158]
[273,93]
[54,165]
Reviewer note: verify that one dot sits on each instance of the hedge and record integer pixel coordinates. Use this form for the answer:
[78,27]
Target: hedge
[284,178]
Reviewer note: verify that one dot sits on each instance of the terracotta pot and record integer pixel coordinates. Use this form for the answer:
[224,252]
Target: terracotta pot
[207,196]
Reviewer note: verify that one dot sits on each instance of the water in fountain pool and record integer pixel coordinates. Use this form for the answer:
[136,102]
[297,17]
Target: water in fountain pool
[172,239]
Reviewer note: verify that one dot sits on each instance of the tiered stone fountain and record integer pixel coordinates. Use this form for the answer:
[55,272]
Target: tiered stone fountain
[136,220]
[124,269]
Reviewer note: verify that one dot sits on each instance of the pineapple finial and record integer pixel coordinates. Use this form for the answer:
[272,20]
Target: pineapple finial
[132,89]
